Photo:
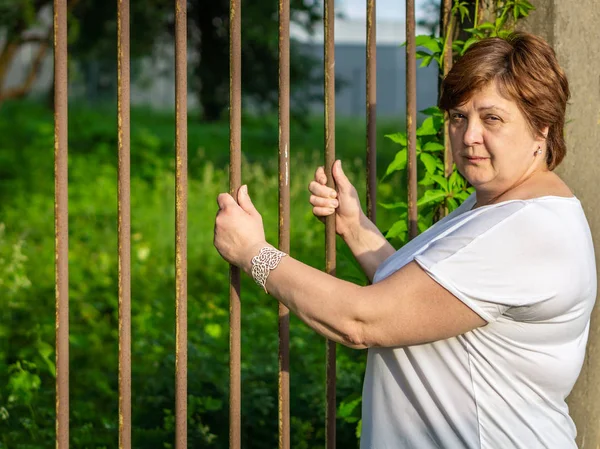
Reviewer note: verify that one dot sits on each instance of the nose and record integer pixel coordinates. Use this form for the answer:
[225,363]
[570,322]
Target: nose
[473,134]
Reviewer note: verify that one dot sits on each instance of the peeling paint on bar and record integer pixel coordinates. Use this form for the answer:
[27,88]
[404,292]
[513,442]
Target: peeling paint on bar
[411,118]
[371,111]
[124,222]
[61,223]
[284,219]
[181,202]
[330,253]
[235,176]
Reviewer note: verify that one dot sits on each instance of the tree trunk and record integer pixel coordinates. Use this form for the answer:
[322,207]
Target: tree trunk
[212,73]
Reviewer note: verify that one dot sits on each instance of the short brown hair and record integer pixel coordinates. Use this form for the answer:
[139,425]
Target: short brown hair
[526,71]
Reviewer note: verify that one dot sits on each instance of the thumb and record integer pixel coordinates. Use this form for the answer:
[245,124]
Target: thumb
[245,202]
[341,180]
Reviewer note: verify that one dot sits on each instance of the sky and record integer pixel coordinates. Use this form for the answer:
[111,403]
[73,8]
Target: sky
[386,9]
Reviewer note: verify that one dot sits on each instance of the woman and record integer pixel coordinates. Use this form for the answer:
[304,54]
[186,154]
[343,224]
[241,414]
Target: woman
[477,328]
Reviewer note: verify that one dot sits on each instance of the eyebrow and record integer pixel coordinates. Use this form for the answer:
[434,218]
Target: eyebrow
[483,108]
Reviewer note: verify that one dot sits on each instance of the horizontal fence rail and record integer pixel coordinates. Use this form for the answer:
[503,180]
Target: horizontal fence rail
[181,203]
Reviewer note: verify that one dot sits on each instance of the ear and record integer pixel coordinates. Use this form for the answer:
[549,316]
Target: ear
[543,134]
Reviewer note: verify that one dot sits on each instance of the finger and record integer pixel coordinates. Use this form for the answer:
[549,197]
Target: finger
[320,175]
[245,202]
[323,202]
[224,199]
[321,190]
[341,180]
[323,211]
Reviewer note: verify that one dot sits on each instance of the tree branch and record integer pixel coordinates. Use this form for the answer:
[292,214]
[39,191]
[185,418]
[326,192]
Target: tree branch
[25,88]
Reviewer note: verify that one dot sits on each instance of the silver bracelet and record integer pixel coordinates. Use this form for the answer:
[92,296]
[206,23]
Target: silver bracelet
[267,259]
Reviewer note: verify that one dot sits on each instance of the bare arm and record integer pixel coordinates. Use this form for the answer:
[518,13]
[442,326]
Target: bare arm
[407,308]
[368,245]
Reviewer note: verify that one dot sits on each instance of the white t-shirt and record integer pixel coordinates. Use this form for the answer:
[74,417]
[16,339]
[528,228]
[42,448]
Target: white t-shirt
[527,267]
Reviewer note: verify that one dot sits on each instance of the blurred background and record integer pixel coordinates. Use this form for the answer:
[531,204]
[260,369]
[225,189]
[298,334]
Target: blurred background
[27,318]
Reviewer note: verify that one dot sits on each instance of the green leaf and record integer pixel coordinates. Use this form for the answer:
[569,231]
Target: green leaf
[427,128]
[452,204]
[442,182]
[346,408]
[399,163]
[433,146]
[430,43]
[398,205]
[398,229]
[431,196]
[453,180]
[397,138]
[427,60]
[469,42]
[213,329]
[427,180]
[433,110]
[430,162]
[486,26]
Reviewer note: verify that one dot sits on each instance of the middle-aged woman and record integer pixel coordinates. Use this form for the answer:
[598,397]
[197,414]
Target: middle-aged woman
[477,328]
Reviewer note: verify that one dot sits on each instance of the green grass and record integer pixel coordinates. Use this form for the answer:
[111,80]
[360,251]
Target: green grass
[27,323]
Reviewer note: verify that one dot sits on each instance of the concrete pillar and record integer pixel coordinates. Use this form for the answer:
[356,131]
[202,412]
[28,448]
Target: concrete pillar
[572,27]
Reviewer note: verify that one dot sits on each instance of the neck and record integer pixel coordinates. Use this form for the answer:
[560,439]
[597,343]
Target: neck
[491,196]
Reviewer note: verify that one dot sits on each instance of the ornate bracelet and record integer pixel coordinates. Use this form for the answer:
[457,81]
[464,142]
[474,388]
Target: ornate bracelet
[268,258]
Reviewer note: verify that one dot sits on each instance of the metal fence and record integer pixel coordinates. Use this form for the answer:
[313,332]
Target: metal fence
[124,220]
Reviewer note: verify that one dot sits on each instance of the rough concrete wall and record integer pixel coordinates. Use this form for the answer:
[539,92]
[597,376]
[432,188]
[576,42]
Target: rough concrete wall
[572,27]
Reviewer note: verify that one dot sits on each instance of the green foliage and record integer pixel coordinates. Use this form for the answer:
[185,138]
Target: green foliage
[437,193]
[27,328]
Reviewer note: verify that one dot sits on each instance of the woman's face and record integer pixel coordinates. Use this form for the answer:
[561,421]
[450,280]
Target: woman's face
[492,144]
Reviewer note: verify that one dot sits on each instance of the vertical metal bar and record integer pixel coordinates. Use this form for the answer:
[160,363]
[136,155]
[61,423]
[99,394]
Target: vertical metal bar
[61,223]
[447,31]
[284,217]
[330,253]
[124,206]
[371,112]
[235,177]
[411,117]
[181,223]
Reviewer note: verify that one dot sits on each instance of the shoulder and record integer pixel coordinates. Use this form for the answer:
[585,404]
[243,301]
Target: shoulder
[537,232]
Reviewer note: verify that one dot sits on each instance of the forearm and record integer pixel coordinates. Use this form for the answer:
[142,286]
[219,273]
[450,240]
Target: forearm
[369,246]
[327,304]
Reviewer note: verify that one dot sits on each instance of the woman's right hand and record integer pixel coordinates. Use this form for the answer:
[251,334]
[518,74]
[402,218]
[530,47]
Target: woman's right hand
[343,200]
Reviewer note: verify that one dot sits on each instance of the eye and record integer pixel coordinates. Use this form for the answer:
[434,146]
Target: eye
[456,116]
[493,118]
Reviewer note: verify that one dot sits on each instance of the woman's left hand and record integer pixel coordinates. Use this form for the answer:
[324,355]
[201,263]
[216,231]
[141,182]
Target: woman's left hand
[239,231]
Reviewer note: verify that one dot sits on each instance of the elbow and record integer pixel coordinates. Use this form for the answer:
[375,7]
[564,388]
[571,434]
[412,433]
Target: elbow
[354,337]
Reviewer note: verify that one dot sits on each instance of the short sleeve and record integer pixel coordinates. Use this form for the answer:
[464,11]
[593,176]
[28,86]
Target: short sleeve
[504,257]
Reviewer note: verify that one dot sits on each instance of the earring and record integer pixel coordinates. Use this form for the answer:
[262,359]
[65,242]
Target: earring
[539,150]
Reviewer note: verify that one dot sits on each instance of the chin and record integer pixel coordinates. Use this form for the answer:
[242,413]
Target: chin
[474,175]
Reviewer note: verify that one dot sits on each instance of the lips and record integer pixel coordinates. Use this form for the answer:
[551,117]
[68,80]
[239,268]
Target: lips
[476,158]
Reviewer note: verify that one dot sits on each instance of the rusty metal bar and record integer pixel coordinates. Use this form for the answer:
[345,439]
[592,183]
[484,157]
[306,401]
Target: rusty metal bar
[411,117]
[447,31]
[235,179]
[61,223]
[371,112]
[181,200]
[124,206]
[284,217]
[330,253]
